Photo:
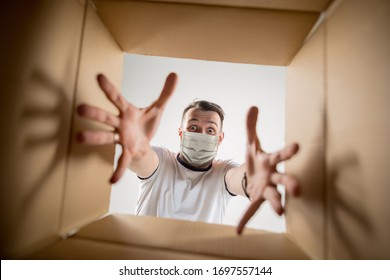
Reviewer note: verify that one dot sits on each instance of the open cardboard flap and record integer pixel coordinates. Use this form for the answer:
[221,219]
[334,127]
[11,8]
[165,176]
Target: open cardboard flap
[168,238]
[196,30]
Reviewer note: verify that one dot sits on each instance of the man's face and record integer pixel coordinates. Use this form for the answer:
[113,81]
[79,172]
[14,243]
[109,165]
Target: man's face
[199,121]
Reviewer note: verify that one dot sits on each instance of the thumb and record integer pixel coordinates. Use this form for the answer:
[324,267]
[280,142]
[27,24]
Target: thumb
[251,124]
[167,91]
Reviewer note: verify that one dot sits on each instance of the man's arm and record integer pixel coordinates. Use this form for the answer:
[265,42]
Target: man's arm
[257,177]
[234,178]
[145,165]
[132,128]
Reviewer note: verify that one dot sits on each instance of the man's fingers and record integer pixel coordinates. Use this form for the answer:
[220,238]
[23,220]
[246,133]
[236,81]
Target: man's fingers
[273,196]
[250,158]
[257,182]
[251,122]
[97,114]
[248,215]
[112,94]
[167,91]
[290,182]
[286,153]
[96,137]
[123,162]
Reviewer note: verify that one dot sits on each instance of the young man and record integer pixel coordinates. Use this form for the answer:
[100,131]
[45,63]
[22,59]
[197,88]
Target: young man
[189,184]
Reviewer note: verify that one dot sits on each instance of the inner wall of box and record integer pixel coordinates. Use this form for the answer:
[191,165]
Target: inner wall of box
[337,109]
[50,184]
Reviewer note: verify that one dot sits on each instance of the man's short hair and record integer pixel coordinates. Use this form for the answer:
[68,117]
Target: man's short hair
[205,106]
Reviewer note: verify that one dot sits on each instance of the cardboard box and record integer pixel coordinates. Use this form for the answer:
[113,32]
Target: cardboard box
[55,192]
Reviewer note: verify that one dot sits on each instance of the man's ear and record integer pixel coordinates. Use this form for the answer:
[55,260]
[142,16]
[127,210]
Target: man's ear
[221,137]
[180,132]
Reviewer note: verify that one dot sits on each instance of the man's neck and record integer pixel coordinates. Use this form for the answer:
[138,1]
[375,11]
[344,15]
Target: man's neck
[188,165]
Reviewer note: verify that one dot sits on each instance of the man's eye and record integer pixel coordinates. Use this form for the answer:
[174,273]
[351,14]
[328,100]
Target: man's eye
[192,127]
[211,131]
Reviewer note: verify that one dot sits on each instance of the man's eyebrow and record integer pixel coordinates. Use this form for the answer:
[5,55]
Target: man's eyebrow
[213,123]
[197,120]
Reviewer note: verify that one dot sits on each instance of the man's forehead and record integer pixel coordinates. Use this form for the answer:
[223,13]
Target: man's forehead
[194,114]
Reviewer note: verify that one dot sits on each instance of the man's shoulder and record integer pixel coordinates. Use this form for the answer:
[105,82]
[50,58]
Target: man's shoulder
[225,163]
[163,152]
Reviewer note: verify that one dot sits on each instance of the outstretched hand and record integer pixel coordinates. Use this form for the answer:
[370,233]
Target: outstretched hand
[133,128]
[262,176]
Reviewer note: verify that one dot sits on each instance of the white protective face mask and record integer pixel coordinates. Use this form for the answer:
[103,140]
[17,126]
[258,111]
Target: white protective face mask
[197,148]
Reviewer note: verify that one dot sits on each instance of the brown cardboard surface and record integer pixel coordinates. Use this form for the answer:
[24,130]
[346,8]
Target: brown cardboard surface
[359,130]
[300,5]
[305,121]
[305,220]
[87,192]
[190,238]
[39,54]
[337,109]
[84,249]
[217,33]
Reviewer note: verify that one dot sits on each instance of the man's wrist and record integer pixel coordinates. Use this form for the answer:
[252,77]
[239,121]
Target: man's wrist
[244,184]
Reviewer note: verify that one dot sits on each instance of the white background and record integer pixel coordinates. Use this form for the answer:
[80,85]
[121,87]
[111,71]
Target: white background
[235,87]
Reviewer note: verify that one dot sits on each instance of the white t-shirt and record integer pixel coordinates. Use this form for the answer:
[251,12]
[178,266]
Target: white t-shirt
[176,190]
